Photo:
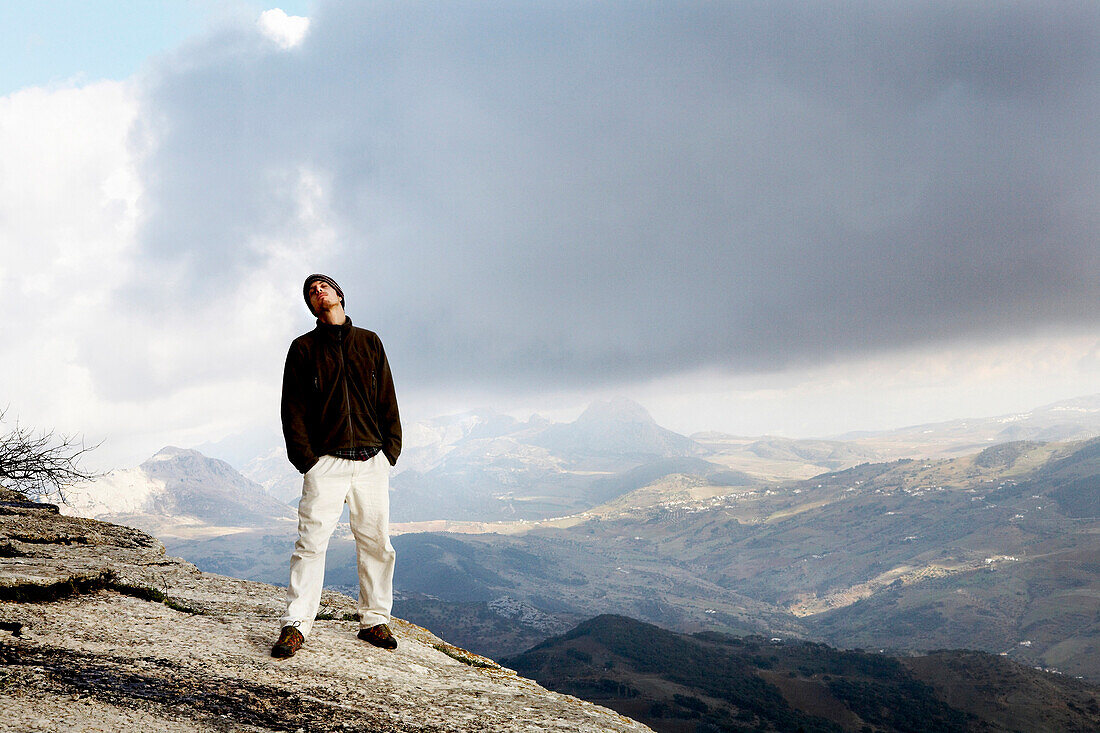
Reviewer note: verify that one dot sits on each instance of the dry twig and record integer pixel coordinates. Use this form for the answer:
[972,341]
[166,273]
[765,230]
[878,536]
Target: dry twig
[43,464]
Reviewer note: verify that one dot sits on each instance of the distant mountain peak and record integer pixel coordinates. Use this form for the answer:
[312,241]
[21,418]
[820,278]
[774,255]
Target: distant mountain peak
[172,458]
[169,452]
[618,426]
[617,409]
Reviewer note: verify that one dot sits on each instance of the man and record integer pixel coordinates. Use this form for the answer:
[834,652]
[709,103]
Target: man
[343,431]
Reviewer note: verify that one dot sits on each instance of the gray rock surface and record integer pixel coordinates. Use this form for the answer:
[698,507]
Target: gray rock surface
[101,631]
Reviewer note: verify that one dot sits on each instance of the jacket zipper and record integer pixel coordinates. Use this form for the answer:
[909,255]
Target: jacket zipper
[347,395]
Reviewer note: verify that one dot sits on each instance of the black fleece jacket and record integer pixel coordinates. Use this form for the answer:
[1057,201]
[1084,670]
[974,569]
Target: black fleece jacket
[338,393]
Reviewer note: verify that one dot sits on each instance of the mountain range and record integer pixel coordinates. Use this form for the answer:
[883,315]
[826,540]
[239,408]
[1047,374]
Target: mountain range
[996,551]
[484,466]
[976,543]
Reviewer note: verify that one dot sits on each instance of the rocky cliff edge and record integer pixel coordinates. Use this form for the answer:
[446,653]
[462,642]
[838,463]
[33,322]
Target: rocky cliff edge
[101,631]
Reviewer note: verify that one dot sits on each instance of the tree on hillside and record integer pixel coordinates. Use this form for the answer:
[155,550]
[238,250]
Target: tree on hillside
[41,464]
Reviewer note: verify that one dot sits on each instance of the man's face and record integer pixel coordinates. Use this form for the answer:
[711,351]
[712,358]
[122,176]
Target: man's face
[322,296]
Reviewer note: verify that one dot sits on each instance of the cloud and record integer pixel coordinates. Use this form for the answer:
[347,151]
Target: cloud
[286,30]
[787,218]
[94,343]
[904,387]
[68,202]
[548,196]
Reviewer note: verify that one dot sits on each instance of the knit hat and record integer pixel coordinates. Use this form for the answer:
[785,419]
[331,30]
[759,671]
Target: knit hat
[324,278]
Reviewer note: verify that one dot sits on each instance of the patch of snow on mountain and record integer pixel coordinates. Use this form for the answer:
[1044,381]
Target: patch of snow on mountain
[126,491]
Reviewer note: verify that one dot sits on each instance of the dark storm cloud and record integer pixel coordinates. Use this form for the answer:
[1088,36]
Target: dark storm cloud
[552,194]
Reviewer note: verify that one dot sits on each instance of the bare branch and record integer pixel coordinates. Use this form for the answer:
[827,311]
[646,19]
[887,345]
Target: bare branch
[43,464]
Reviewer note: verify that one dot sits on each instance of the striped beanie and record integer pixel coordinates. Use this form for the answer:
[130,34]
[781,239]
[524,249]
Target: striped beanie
[325,278]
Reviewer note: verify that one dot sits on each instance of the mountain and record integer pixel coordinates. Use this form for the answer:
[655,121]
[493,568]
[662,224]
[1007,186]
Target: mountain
[239,449]
[578,572]
[716,682]
[485,466]
[177,486]
[189,651]
[1067,420]
[778,458]
[1033,596]
[425,443]
[488,479]
[274,472]
[995,549]
[616,428]
[100,630]
[992,551]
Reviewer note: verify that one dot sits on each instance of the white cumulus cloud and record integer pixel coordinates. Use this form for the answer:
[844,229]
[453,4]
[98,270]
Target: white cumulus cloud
[80,351]
[68,212]
[285,30]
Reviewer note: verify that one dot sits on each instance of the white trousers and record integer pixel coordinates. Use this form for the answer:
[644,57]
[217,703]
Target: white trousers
[365,486]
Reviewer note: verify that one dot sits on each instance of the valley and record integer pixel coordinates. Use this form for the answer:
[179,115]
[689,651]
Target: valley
[990,547]
[967,552]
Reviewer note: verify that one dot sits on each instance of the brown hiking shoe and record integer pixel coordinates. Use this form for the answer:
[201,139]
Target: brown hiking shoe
[290,641]
[379,635]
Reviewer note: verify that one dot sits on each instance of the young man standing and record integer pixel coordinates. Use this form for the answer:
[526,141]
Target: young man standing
[343,432]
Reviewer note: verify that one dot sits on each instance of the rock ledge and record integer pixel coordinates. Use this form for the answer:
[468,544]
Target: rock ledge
[100,630]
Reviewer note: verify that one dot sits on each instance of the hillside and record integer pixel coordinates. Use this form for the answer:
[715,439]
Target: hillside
[777,458]
[99,630]
[989,551]
[715,682]
[1068,420]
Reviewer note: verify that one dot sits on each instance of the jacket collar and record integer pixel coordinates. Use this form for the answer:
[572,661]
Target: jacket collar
[335,332]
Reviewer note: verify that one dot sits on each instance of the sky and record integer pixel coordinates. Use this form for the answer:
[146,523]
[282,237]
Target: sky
[789,218]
